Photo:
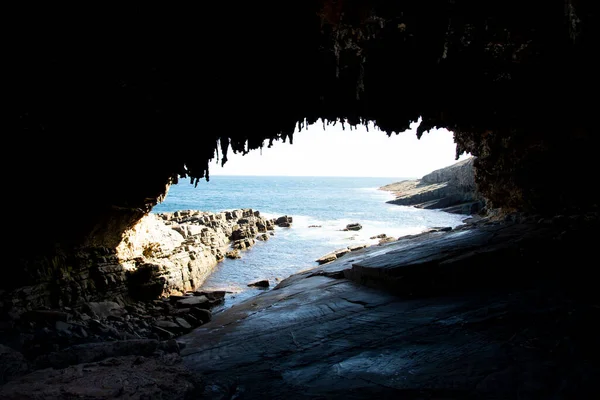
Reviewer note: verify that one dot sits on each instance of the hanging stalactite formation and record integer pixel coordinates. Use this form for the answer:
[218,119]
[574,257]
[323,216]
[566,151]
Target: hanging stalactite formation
[109,112]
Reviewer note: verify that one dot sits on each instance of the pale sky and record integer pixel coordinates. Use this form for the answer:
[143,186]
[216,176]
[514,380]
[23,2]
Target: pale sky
[356,152]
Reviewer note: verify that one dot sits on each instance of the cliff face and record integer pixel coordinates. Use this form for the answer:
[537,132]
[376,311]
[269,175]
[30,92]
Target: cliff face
[451,189]
[163,254]
[173,253]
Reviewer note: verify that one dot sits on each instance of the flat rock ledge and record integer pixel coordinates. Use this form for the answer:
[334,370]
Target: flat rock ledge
[490,310]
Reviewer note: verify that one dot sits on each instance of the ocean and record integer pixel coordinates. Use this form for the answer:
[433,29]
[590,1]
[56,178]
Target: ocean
[330,203]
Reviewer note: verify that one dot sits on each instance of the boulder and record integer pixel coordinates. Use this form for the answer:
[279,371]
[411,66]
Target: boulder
[233,254]
[263,237]
[326,258]
[264,283]
[191,301]
[353,227]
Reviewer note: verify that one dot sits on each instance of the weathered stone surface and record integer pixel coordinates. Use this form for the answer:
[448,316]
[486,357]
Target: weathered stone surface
[386,240]
[264,283]
[233,254]
[191,301]
[284,221]
[353,227]
[177,251]
[462,322]
[357,247]
[338,253]
[263,237]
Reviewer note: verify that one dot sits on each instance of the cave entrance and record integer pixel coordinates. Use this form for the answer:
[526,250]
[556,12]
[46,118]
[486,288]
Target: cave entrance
[324,194]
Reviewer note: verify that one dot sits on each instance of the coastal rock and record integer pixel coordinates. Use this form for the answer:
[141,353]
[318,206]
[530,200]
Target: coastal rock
[326,258]
[264,283]
[357,247]
[262,237]
[386,239]
[451,189]
[173,253]
[486,333]
[380,236]
[353,227]
[284,221]
[233,254]
[334,255]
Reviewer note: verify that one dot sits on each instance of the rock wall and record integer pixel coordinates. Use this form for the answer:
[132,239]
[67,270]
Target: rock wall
[172,253]
[162,255]
[451,189]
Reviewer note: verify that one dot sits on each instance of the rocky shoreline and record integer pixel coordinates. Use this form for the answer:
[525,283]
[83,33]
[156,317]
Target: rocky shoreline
[451,189]
[152,278]
[143,349]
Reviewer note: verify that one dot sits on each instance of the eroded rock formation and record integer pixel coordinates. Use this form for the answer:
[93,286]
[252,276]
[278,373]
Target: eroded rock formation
[173,253]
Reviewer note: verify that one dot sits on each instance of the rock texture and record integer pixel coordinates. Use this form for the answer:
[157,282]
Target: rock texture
[442,315]
[164,254]
[173,253]
[451,189]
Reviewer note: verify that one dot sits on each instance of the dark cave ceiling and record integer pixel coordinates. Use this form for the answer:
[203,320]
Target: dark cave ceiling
[110,110]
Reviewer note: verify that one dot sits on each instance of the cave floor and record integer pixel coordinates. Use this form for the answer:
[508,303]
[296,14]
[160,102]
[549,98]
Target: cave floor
[423,323]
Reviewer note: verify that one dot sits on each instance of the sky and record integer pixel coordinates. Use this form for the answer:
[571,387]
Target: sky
[338,152]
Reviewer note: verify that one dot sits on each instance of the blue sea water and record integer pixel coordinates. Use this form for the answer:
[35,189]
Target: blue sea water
[329,202]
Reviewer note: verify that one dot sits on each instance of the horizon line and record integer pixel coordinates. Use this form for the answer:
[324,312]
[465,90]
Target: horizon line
[308,176]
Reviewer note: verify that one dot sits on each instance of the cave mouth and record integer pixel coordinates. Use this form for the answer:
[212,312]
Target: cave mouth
[511,80]
[328,179]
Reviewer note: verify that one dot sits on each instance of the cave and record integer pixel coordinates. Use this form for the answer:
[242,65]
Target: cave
[109,111]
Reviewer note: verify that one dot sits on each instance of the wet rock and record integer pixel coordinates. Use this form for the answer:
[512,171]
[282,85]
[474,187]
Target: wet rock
[264,283]
[263,237]
[202,314]
[334,255]
[380,236]
[353,227]
[183,323]
[191,301]
[441,229]
[386,240]
[233,254]
[326,258]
